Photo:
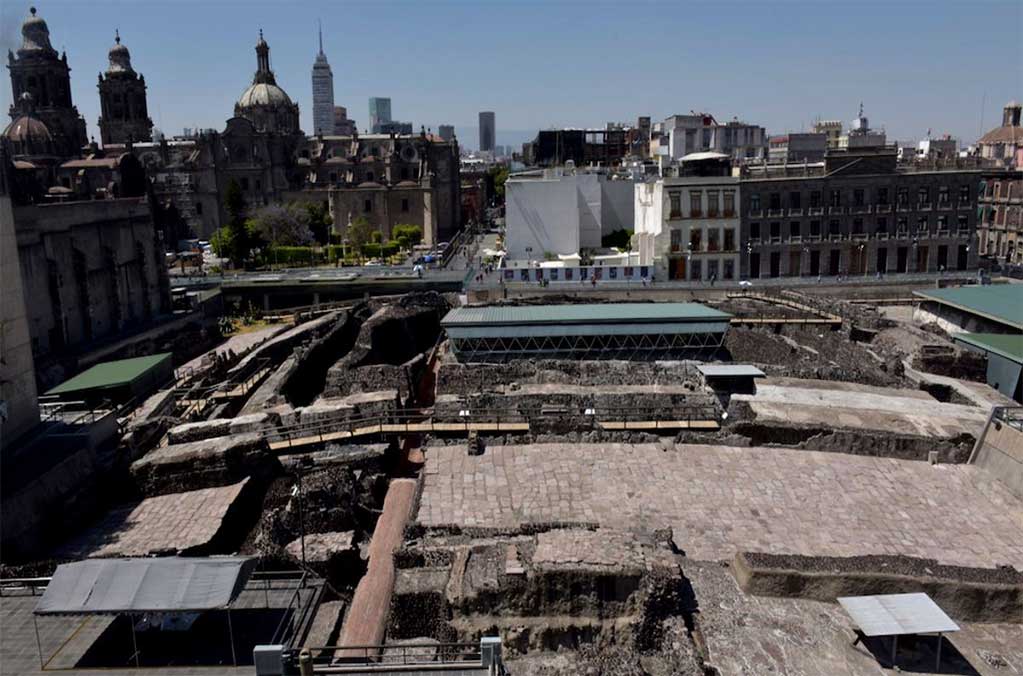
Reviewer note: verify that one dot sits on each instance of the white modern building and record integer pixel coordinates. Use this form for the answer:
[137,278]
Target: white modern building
[563,212]
[687,225]
[323,93]
[700,132]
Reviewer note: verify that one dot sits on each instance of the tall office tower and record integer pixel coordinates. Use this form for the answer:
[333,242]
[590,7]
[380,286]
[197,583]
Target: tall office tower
[446,132]
[379,113]
[487,131]
[323,93]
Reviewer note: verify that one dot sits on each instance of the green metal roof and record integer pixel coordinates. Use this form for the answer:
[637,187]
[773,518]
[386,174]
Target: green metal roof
[110,374]
[603,313]
[1002,302]
[1008,345]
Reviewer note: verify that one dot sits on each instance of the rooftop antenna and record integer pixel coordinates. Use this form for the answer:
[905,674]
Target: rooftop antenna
[983,101]
[320,22]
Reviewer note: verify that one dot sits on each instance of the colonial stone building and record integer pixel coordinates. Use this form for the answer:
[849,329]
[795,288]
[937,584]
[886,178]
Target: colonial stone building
[122,97]
[389,180]
[38,71]
[857,213]
[1001,216]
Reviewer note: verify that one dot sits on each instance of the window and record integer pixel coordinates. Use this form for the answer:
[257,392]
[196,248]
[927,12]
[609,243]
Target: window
[923,195]
[903,224]
[921,224]
[815,228]
[404,204]
[695,204]
[712,204]
[794,229]
[815,199]
[794,200]
[964,194]
[942,222]
[696,269]
[404,173]
[834,227]
[568,274]
[367,206]
[943,195]
[333,177]
[963,223]
[695,239]
[754,232]
[754,202]
[198,208]
[369,175]
[713,239]
[903,196]
[729,239]
[729,207]
[882,195]
[858,197]
[858,226]
[775,201]
[712,269]
[882,224]
[245,183]
[676,240]
[775,231]
[259,184]
[836,198]
[675,199]
[729,269]
[706,138]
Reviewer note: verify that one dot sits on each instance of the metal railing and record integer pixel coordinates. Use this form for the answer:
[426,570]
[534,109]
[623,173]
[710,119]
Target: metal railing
[384,657]
[18,586]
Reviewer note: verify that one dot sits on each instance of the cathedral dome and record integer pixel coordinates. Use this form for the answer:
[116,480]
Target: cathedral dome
[27,129]
[263,94]
[35,34]
[120,58]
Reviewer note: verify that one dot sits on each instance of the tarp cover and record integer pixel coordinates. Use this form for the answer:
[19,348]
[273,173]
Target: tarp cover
[897,614]
[98,586]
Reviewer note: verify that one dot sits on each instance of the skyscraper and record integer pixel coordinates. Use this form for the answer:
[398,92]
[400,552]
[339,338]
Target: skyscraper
[487,131]
[323,93]
[379,113]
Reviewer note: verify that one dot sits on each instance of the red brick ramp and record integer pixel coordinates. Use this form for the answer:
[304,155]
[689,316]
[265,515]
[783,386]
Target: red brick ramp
[367,619]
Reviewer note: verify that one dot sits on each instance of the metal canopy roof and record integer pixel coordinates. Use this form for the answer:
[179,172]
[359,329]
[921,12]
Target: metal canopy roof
[110,373]
[1002,303]
[897,614]
[730,371]
[1008,345]
[172,584]
[602,313]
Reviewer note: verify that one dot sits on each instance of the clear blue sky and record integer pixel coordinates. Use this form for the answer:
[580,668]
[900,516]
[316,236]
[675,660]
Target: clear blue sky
[915,65]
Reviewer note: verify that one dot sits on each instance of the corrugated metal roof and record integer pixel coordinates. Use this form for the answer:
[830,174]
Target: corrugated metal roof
[1000,302]
[897,614]
[1008,345]
[169,584]
[110,373]
[730,371]
[603,313]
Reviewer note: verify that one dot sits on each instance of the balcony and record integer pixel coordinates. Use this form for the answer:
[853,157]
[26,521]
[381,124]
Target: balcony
[795,238]
[756,213]
[860,236]
[775,212]
[695,213]
[796,212]
[924,206]
[815,211]
[881,234]
[968,205]
[776,239]
[943,232]
[860,209]
[945,206]
[835,237]
[902,234]
[713,214]
[884,208]
[728,213]
[674,215]
[904,206]
[836,210]
[963,233]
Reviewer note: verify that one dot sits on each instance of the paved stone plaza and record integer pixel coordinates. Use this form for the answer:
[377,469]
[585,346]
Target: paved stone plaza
[719,500]
[174,522]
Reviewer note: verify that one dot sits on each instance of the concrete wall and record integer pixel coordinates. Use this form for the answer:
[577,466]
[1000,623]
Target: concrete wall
[999,452]
[19,410]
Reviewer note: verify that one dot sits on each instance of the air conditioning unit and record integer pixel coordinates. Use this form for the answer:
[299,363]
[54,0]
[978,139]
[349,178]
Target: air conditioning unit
[268,660]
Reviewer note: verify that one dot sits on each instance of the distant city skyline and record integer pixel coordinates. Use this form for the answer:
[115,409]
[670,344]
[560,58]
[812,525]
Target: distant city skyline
[913,70]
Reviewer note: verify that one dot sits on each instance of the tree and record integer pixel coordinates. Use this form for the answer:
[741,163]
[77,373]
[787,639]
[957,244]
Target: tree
[359,233]
[220,242]
[238,237]
[320,221]
[281,225]
[407,235]
[619,239]
[500,175]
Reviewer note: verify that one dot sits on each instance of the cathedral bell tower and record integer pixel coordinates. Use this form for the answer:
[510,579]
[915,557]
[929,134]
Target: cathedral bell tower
[122,95]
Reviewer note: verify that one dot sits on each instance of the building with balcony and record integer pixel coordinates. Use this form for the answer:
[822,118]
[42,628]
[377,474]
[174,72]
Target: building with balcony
[585,147]
[857,213]
[687,225]
[1000,216]
[700,132]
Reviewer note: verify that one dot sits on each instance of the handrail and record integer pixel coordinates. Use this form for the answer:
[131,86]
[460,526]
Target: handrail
[387,655]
